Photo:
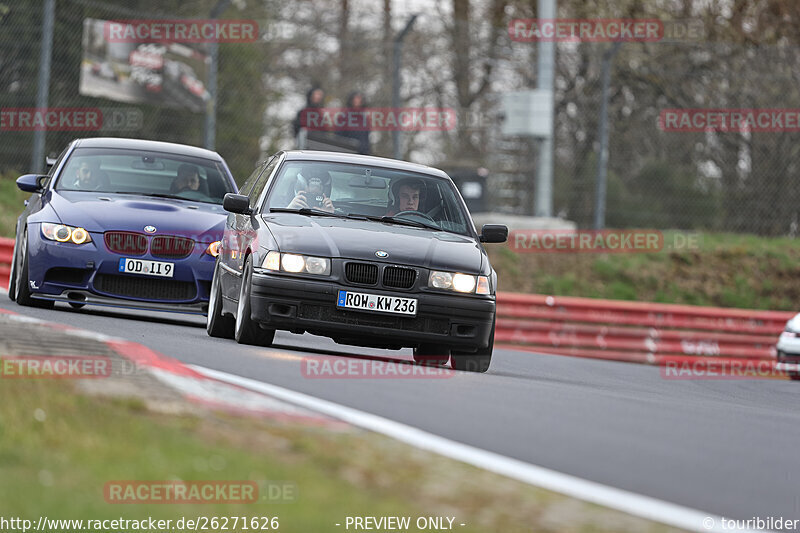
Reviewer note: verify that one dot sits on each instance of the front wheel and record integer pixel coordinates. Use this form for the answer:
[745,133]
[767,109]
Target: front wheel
[23,292]
[793,374]
[247,331]
[217,324]
[474,362]
[12,278]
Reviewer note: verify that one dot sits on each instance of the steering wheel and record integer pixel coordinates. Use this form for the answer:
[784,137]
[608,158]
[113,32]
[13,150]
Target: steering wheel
[416,213]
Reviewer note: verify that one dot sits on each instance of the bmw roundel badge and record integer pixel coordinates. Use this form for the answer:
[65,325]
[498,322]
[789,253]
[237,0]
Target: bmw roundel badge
[150,229]
[382,254]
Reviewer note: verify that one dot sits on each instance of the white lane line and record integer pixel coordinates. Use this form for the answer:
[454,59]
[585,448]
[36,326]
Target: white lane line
[629,502]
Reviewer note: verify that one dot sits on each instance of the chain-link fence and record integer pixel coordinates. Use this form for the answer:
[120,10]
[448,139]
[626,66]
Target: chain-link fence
[659,177]
[159,89]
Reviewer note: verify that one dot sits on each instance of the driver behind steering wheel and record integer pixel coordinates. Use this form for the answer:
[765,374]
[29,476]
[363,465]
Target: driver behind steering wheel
[406,195]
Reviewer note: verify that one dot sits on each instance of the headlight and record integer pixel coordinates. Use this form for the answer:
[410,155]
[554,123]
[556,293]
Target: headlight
[458,282]
[297,264]
[213,248]
[62,233]
[293,263]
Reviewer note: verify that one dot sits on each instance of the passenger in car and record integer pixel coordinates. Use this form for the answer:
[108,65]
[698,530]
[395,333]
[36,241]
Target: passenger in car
[188,179]
[312,190]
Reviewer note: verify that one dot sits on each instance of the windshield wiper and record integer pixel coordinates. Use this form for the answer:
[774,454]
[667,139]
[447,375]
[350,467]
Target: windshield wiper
[304,211]
[162,195]
[405,222]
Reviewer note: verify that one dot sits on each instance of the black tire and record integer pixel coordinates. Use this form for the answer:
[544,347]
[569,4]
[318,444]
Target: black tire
[12,278]
[217,324]
[431,355]
[23,293]
[478,361]
[246,331]
[793,375]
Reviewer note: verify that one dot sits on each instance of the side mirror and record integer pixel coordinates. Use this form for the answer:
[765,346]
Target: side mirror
[494,233]
[236,203]
[32,182]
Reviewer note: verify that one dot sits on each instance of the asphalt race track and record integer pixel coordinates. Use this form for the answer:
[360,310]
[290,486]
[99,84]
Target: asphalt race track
[726,446]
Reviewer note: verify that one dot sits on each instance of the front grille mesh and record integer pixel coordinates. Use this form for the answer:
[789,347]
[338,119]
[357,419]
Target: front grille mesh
[144,288]
[70,276]
[398,277]
[125,242]
[362,273]
[171,247]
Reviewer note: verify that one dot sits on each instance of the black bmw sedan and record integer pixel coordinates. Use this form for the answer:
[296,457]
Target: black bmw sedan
[364,250]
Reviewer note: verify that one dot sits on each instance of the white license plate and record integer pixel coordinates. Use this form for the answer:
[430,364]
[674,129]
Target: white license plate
[146,267]
[376,303]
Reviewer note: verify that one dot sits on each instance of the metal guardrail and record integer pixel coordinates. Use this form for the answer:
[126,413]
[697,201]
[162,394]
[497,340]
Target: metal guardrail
[634,331]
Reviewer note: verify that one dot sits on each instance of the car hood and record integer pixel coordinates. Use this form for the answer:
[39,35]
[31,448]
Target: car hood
[126,212]
[359,239]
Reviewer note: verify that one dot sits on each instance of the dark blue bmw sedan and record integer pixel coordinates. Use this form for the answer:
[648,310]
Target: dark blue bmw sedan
[123,223]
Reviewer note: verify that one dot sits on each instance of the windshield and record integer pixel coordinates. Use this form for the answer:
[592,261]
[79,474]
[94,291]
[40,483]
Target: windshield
[372,192]
[145,173]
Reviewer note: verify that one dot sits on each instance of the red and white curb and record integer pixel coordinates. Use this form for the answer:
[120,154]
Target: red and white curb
[192,385]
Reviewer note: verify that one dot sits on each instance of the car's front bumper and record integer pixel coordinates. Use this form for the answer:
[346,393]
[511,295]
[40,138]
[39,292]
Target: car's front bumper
[456,321]
[89,274]
[790,345]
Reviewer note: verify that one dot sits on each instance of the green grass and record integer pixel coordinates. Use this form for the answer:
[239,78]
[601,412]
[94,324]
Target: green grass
[58,449]
[11,204]
[721,270]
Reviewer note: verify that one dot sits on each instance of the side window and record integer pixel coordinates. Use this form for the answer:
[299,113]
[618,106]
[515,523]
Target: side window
[58,162]
[248,184]
[258,188]
[53,168]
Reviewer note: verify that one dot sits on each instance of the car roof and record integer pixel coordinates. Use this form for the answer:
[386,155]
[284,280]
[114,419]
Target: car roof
[358,159]
[152,146]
